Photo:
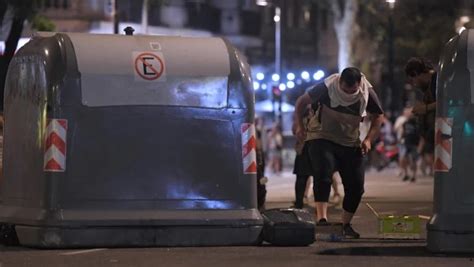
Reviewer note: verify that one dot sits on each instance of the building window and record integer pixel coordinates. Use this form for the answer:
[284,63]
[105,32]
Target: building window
[307,16]
[304,17]
[63,4]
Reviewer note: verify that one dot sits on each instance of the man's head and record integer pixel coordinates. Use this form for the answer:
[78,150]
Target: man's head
[419,71]
[349,81]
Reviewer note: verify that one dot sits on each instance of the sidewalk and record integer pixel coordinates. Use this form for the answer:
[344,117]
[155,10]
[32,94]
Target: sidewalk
[384,186]
[385,192]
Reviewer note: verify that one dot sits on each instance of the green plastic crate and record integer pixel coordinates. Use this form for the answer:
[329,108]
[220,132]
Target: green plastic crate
[399,227]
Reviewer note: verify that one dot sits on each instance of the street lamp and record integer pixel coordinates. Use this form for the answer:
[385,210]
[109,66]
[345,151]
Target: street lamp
[290,76]
[115,15]
[391,3]
[276,77]
[277,18]
[392,91]
[305,75]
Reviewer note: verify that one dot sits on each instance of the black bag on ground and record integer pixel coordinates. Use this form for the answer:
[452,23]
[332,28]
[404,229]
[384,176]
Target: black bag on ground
[8,235]
[288,227]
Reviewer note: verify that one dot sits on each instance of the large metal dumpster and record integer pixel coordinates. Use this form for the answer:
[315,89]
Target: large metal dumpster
[129,141]
[451,229]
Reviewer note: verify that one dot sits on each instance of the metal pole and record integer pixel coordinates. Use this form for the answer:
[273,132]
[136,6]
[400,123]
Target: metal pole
[393,91]
[145,17]
[277,20]
[115,16]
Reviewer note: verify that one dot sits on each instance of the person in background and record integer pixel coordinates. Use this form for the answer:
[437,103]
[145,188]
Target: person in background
[422,75]
[302,167]
[411,140]
[398,128]
[336,197]
[275,145]
[261,179]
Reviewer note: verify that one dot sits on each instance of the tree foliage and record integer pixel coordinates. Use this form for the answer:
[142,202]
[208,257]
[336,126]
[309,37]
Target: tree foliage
[422,28]
[42,23]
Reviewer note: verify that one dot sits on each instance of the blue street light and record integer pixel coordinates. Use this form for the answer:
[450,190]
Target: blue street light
[260,76]
[305,75]
[256,85]
[290,84]
[264,86]
[282,87]
[275,77]
[290,76]
[318,75]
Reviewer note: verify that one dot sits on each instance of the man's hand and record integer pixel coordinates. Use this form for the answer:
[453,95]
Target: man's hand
[301,104]
[420,109]
[366,146]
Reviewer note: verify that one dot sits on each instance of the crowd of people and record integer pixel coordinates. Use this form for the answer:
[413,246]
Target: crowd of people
[340,128]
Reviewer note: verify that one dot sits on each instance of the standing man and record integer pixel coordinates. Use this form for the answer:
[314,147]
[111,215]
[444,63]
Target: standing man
[333,138]
[421,74]
[302,166]
[261,179]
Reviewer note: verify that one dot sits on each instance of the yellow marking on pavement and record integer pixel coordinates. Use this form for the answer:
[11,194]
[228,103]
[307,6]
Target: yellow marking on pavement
[82,252]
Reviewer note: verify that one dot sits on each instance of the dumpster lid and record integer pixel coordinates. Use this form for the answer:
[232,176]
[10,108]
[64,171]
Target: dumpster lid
[152,70]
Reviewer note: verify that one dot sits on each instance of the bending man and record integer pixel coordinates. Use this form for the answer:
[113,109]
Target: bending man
[333,138]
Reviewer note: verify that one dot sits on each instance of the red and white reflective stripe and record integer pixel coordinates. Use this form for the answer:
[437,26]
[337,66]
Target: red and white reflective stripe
[443,144]
[249,146]
[55,146]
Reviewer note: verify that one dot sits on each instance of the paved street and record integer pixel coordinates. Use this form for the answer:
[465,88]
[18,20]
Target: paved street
[384,191]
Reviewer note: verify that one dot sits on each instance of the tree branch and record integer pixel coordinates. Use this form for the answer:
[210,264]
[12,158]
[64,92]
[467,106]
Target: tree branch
[350,10]
[336,9]
[3,10]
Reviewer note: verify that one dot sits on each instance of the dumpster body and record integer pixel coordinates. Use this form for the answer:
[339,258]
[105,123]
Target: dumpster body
[129,141]
[451,229]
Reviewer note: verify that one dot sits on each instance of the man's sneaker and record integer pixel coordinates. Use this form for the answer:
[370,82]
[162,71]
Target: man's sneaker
[413,179]
[349,232]
[406,178]
[322,221]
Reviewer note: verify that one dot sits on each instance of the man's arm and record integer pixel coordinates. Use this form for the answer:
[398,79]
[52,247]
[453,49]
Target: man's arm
[422,109]
[375,123]
[294,125]
[301,104]
[376,119]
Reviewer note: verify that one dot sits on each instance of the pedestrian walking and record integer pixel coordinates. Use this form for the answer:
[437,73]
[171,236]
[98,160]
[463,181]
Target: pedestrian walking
[411,141]
[275,145]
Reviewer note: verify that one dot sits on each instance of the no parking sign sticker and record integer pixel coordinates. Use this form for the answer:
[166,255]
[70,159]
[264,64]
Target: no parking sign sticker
[149,66]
